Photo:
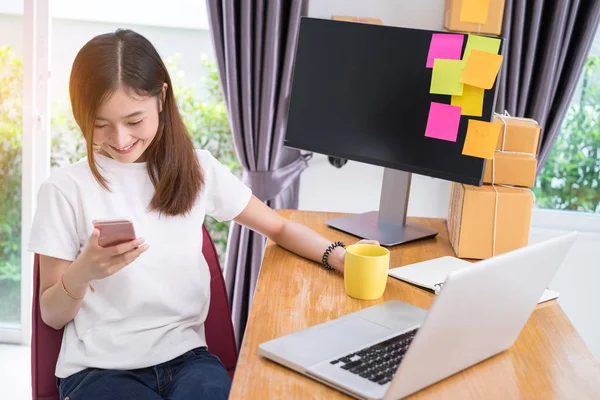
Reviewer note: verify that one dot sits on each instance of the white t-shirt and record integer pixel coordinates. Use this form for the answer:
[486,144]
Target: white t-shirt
[154,309]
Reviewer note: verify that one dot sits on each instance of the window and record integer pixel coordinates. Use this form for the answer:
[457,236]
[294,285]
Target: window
[11,135]
[570,179]
[23,153]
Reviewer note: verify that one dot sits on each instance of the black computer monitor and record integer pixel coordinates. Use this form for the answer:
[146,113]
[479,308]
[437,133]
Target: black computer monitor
[362,92]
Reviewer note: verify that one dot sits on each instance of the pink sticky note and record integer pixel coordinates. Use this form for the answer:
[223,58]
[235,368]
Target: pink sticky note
[443,121]
[445,45]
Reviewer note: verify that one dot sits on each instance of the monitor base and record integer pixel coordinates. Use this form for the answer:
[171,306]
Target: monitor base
[368,226]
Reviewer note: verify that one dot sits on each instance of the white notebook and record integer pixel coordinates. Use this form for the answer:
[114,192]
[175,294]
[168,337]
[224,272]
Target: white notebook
[430,275]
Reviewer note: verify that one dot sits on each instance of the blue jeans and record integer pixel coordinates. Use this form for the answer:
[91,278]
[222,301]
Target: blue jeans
[196,374]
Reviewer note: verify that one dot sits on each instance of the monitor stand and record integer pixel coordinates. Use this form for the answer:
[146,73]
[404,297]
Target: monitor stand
[388,225]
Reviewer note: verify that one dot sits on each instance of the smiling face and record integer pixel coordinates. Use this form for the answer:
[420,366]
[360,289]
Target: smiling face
[122,103]
[126,124]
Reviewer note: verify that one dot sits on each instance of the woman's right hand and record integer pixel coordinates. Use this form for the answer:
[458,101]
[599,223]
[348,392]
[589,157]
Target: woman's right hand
[96,262]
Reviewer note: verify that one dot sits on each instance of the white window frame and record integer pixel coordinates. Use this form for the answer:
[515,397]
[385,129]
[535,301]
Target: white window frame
[35,144]
[566,220]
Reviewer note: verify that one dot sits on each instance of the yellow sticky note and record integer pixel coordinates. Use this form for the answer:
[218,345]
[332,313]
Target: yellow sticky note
[445,78]
[475,11]
[471,101]
[481,69]
[481,139]
[483,43]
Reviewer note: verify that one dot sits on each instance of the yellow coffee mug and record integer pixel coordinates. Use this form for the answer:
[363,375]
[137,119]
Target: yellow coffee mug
[366,271]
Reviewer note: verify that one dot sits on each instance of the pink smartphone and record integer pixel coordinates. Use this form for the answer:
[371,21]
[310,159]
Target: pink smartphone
[114,231]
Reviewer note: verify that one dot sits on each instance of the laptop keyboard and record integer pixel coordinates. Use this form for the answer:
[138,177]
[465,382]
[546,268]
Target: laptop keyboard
[378,363]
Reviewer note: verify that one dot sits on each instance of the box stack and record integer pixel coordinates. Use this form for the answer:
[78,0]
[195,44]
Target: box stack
[515,160]
[495,218]
[476,16]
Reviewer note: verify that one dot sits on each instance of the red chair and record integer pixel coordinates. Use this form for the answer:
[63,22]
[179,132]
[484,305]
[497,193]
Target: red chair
[45,341]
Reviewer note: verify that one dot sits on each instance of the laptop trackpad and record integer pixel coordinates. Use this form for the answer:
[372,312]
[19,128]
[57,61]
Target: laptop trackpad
[321,342]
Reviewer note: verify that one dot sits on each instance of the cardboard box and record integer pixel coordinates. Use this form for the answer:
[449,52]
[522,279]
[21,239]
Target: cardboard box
[493,26]
[375,21]
[515,169]
[522,135]
[471,219]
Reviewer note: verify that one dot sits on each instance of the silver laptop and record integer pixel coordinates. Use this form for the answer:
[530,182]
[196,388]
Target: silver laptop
[394,349]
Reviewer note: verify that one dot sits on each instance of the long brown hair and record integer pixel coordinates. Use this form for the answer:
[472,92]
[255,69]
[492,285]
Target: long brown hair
[127,59]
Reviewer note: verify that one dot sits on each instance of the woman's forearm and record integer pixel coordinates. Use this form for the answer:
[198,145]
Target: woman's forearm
[309,244]
[58,308]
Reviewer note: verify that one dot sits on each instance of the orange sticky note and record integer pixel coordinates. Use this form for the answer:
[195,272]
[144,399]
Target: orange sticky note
[471,101]
[481,69]
[475,11]
[481,139]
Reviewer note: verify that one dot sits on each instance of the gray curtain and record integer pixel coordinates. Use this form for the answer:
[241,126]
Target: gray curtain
[255,44]
[548,42]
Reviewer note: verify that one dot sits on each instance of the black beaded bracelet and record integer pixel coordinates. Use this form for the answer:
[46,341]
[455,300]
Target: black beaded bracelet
[327,252]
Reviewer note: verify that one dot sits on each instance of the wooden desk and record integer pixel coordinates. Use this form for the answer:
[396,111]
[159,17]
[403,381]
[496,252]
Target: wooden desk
[548,361]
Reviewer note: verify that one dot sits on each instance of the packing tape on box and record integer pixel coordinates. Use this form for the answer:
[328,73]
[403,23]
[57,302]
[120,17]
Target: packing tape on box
[502,118]
[496,212]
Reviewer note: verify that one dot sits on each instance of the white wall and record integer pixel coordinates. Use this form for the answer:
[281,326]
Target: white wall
[326,188]
[423,14]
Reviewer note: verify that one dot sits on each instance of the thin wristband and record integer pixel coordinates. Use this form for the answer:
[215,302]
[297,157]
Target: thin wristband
[62,284]
[325,258]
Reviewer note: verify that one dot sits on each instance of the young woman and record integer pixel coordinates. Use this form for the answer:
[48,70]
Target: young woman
[140,333]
